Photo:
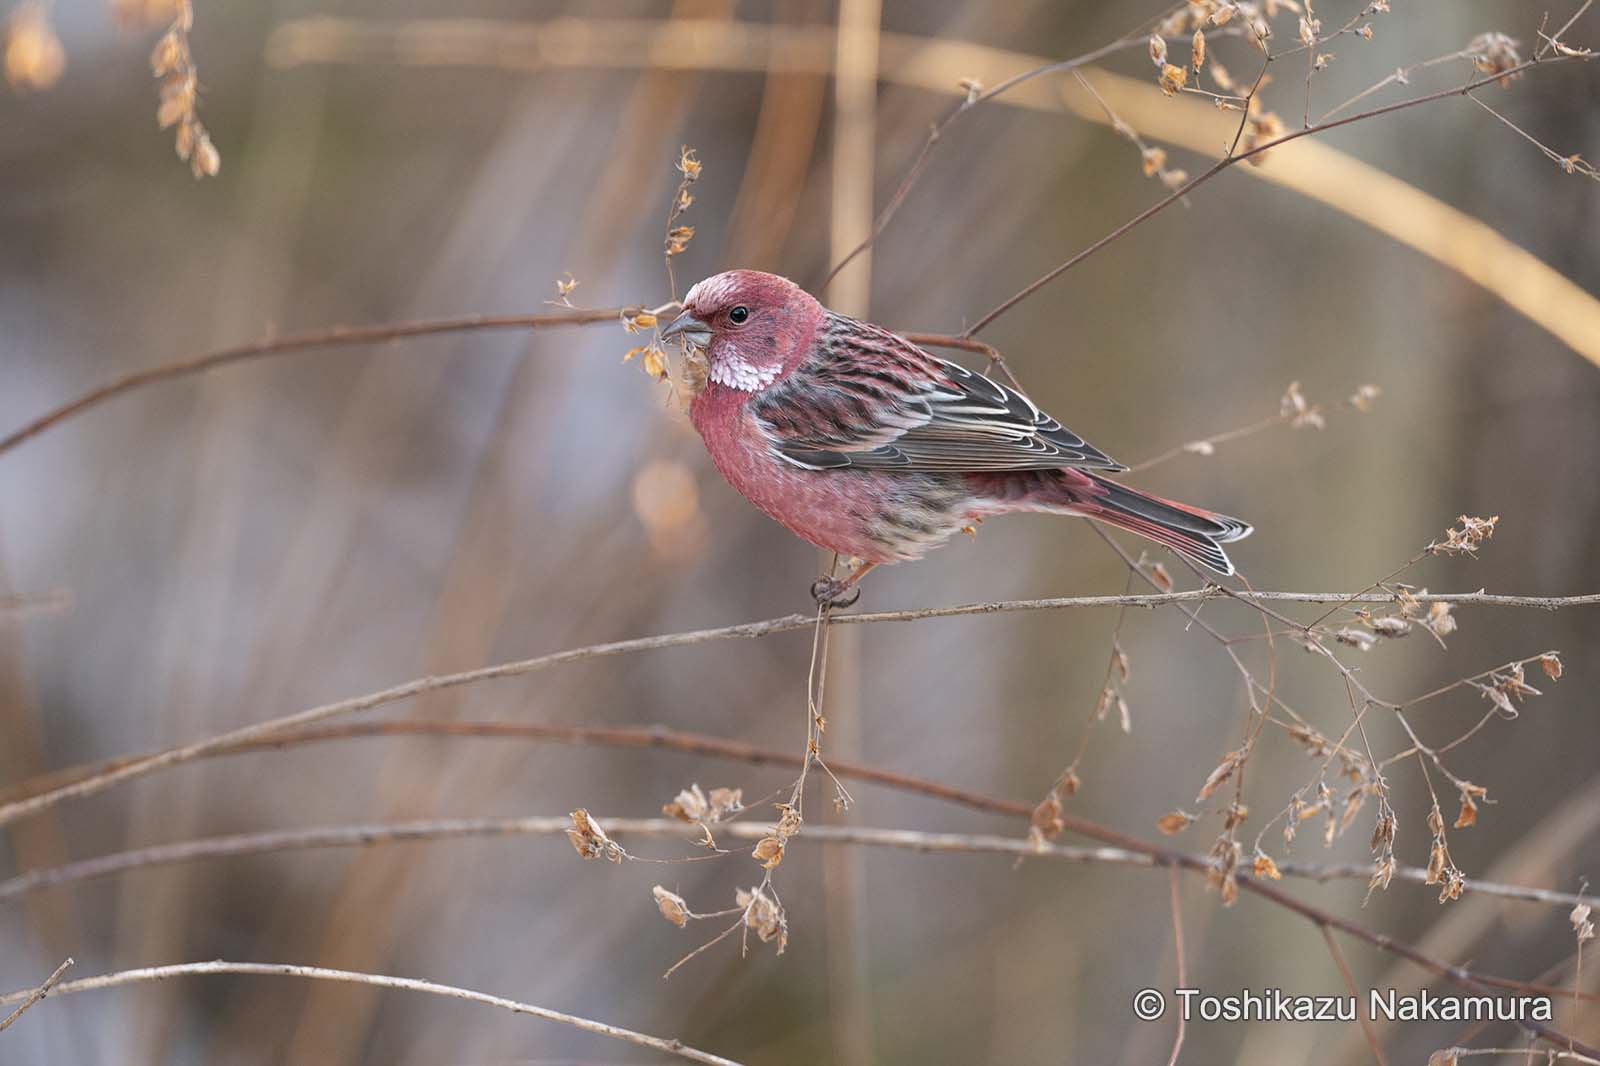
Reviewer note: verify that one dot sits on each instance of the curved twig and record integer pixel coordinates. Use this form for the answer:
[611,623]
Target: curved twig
[1238,157]
[297,342]
[1122,850]
[405,984]
[17,809]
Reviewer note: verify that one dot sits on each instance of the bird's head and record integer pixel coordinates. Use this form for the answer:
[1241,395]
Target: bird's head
[754,328]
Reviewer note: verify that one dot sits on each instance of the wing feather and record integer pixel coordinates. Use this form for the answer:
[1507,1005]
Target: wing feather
[868,398]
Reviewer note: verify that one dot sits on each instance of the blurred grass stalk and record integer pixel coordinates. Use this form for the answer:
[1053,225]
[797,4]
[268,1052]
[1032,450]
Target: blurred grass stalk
[1317,171]
[850,211]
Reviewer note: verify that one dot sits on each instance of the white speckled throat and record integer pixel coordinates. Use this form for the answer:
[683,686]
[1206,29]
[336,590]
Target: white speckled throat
[730,368]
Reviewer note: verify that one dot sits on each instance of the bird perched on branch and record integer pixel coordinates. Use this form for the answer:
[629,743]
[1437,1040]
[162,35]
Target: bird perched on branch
[864,444]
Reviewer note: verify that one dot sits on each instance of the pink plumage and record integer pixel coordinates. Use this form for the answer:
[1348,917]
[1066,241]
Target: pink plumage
[864,444]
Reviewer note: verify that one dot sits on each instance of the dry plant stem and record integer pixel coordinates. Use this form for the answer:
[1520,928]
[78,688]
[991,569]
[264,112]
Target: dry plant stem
[368,334]
[34,996]
[1188,447]
[1177,947]
[1355,995]
[1120,850]
[1234,156]
[1549,42]
[1529,1055]
[1471,249]
[973,99]
[341,336]
[1572,164]
[1137,853]
[404,984]
[338,336]
[12,811]
[1397,76]
[647,737]
[965,344]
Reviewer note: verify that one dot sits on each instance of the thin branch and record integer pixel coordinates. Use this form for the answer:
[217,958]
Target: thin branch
[1572,164]
[35,995]
[1544,1056]
[1556,304]
[975,96]
[405,984]
[1416,874]
[338,336]
[1139,854]
[1355,996]
[1550,41]
[965,344]
[1177,947]
[1199,447]
[1120,849]
[12,811]
[1400,75]
[1238,157]
[656,737]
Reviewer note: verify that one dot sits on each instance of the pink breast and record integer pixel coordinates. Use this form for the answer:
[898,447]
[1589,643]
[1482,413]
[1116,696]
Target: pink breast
[830,509]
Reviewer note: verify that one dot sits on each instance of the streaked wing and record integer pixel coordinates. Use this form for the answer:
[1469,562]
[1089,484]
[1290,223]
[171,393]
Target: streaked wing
[870,399]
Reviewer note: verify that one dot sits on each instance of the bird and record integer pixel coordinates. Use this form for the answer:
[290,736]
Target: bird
[866,445]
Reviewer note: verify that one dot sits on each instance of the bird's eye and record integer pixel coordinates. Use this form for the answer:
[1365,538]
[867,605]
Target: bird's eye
[738,315]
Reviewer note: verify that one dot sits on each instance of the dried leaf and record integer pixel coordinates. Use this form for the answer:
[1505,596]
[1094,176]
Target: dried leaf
[688,165]
[655,362]
[1384,832]
[1469,813]
[1265,867]
[1224,770]
[1582,927]
[1174,822]
[763,915]
[590,841]
[769,851]
[678,238]
[725,801]
[688,806]
[1436,861]
[1389,625]
[1158,51]
[672,906]
[1047,817]
[1355,638]
[1382,873]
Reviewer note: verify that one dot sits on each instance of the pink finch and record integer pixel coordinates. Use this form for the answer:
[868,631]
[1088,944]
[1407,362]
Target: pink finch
[864,444]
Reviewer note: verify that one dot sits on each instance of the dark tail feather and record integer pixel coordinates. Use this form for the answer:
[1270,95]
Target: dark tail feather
[1191,532]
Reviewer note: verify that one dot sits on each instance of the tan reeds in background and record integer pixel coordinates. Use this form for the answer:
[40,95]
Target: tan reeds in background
[330,456]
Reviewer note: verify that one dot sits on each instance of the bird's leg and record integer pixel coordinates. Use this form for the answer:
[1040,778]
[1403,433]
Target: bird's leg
[830,591]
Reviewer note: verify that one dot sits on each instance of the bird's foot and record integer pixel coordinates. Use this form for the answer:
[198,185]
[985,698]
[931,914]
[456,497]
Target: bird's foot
[833,592]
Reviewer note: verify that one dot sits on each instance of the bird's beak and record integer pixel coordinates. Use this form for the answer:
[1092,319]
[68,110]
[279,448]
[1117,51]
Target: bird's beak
[691,329]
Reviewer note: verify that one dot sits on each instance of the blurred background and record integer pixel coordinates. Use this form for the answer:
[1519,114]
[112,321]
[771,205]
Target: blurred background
[315,526]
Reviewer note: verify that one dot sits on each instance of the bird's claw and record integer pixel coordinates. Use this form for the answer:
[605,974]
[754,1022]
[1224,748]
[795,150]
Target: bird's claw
[831,592]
